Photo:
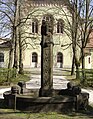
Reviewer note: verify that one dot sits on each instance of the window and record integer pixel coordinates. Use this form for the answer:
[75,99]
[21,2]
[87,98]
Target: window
[60,57]
[89,60]
[34,57]
[60,26]
[1,57]
[35,26]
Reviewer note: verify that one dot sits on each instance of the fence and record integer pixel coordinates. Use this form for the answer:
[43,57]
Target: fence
[87,75]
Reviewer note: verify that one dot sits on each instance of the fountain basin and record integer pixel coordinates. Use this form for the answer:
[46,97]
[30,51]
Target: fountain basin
[34,103]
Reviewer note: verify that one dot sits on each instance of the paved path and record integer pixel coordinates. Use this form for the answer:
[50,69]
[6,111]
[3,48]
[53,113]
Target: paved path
[59,82]
[2,91]
[90,95]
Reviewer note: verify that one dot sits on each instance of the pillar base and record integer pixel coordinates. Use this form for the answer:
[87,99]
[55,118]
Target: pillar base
[45,92]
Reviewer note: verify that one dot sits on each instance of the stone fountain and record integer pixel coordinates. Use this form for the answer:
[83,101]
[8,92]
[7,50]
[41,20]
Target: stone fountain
[46,99]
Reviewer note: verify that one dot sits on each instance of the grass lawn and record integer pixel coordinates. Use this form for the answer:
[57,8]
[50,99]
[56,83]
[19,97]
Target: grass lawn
[10,114]
[14,80]
[6,113]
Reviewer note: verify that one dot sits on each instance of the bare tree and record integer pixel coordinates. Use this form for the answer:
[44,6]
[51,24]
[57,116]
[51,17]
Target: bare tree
[82,24]
[78,29]
[13,20]
[86,28]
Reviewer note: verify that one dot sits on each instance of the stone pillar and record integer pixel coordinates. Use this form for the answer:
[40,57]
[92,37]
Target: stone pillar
[46,62]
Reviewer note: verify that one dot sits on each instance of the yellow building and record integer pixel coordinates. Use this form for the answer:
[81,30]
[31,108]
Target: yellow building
[35,11]
[4,52]
[32,14]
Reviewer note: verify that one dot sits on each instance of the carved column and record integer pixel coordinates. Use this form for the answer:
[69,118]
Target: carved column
[46,62]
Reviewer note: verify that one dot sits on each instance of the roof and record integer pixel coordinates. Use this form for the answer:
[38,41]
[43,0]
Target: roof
[6,44]
[90,43]
[47,2]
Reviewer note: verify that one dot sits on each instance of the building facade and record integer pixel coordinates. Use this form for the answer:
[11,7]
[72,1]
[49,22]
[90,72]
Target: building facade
[4,52]
[89,53]
[56,11]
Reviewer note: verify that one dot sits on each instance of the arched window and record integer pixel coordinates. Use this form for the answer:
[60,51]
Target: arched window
[60,26]
[35,26]
[34,57]
[1,57]
[60,57]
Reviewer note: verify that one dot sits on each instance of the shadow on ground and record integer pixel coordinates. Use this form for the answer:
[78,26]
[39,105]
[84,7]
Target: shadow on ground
[88,113]
[2,104]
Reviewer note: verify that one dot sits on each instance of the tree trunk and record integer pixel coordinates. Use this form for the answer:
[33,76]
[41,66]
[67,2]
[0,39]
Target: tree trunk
[10,58]
[77,68]
[83,66]
[15,35]
[15,53]
[20,44]
[20,55]
[10,63]
[74,35]
[73,65]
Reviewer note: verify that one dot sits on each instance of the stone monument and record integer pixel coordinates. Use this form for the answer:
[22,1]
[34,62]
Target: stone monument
[47,98]
[46,60]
